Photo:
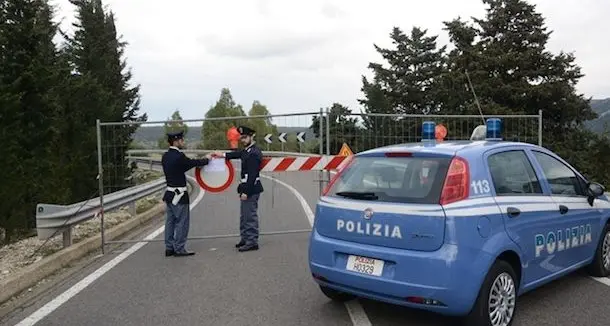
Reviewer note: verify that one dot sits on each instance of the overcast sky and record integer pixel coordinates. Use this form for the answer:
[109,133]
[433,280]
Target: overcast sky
[296,56]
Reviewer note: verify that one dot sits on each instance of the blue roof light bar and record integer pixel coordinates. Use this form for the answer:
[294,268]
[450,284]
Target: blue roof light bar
[428,130]
[493,129]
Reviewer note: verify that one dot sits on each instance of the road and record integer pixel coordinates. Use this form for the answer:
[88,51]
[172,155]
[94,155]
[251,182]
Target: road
[272,286]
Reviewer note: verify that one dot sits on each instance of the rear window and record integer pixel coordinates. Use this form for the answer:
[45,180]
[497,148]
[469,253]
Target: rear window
[393,179]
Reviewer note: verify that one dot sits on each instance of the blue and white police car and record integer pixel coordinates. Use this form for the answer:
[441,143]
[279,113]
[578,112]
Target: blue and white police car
[458,228]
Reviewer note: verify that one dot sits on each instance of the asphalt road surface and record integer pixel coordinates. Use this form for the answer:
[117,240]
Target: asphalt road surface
[272,286]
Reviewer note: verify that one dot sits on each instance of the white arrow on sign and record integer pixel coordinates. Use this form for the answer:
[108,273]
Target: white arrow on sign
[282,138]
[301,136]
[268,138]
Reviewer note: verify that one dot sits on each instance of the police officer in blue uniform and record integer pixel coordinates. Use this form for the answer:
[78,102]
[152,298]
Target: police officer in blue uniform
[249,188]
[176,198]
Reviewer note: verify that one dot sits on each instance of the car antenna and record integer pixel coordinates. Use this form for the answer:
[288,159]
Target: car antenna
[476,99]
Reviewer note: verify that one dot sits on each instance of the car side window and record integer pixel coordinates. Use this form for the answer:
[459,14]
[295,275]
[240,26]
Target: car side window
[512,174]
[561,179]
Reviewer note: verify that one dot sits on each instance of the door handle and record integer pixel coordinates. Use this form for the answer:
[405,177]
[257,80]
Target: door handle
[563,209]
[513,212]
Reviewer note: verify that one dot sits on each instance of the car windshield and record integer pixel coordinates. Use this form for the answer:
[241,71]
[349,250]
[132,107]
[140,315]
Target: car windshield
[393,179]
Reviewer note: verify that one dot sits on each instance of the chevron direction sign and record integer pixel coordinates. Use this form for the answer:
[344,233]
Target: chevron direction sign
[282,137]
[301,137]
[268,138]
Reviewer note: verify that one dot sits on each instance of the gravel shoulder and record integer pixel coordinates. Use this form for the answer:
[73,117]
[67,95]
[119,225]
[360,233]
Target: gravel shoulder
[15,256]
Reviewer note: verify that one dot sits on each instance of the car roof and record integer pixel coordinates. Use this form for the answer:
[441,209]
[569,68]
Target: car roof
[449,147]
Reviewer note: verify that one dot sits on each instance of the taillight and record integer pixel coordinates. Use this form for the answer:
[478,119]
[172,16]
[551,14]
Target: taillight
[457,182]
[329,186]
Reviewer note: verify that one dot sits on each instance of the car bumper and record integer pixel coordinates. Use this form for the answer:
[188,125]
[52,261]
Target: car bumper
[445,281]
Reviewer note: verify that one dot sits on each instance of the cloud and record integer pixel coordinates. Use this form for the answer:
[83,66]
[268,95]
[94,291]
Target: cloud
[270,45]
[303,55]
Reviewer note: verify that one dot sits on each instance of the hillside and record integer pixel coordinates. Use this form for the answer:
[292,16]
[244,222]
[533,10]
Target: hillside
[148,136]
[602,108]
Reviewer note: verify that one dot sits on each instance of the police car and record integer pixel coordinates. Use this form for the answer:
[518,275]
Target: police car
[458,228]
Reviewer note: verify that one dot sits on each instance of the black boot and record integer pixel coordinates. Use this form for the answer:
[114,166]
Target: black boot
[184,254]
[248,247]
[241,243]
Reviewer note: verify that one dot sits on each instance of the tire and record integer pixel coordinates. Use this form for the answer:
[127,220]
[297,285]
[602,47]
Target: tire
[600,267]
[503,273]
[336,295]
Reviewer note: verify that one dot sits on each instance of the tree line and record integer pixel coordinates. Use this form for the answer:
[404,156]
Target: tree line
[51,94]
[225,114]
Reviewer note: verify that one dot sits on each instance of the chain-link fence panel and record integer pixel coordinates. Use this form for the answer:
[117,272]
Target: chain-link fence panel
[366,131]
[131,155]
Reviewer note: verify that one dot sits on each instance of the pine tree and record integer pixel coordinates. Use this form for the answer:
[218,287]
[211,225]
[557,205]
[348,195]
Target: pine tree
[408,84]
[173,124]
[513,73]
[29,73]
[213,132]
[342,129]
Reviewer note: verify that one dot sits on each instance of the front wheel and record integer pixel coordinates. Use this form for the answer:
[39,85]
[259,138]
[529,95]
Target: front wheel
[497,300]
[336,295]
[600,267]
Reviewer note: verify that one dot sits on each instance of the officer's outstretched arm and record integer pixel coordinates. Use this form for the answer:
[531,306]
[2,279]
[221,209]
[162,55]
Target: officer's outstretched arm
[189,163]
[253,170]
[232,155]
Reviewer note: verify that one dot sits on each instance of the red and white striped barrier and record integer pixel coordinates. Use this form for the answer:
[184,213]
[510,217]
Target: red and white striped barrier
[316,163]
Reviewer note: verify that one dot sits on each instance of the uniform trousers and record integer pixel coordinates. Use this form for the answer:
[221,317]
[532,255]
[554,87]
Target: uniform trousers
[177,224]
[248,220]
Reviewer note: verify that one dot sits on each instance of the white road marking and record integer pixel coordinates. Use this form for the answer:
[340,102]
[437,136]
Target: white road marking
[354,309]
[357,313]
[602,280]
[78,287]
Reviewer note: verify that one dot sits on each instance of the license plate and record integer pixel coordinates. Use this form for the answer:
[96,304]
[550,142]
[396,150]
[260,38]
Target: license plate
[365,265]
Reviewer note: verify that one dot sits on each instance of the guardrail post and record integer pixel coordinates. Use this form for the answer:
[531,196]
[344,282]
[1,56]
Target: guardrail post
[67,237]
[132,208]
[100,175]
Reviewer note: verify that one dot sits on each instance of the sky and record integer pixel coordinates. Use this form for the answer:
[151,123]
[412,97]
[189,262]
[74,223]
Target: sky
[300,56]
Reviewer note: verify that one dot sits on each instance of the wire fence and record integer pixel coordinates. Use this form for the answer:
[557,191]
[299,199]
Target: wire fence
[287,133]
[322,133]
[367,131]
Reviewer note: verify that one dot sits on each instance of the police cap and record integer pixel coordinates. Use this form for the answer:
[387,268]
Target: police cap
[245,131]
[171,136]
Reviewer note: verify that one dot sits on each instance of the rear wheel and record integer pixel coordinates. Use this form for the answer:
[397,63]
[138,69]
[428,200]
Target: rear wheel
[336,295]
[600,266]
[497,300]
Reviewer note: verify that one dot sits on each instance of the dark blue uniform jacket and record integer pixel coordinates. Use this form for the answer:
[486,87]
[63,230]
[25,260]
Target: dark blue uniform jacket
[251,159]
[175,165]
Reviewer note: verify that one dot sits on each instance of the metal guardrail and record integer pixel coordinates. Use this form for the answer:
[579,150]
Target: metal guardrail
[52,219]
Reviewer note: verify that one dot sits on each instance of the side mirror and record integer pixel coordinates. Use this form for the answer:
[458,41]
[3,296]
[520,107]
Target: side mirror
[595,190]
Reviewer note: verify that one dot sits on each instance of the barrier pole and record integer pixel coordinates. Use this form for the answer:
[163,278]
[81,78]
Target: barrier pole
[321,133]
[327,173]
[539,127]
[100,176]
